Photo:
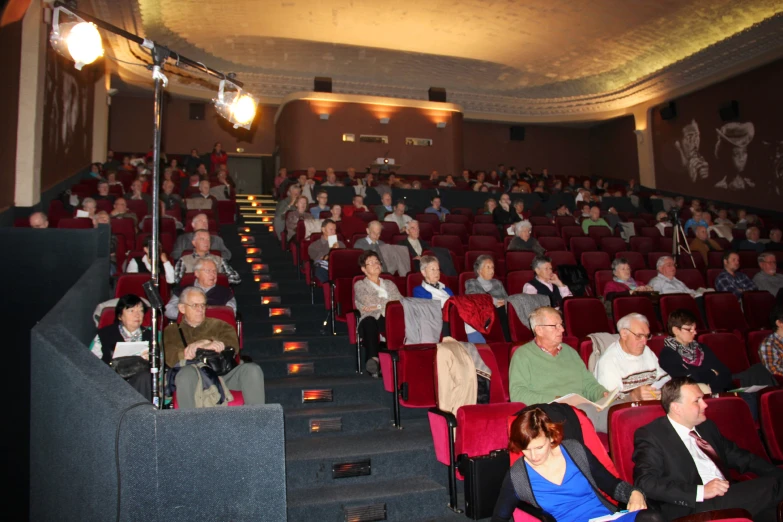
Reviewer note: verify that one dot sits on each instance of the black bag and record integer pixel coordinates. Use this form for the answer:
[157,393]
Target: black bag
[220,362]
[483,479]
[575,278]
[127,367]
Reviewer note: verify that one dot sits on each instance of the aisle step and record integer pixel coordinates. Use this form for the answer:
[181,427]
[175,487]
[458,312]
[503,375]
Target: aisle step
[349,418]
[345,390]
[292,365]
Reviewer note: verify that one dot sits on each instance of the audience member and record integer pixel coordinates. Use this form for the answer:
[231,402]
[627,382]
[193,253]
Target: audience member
[731,279]
[185,241]
[89,206]
[751,241]
[293,217]
[218,157]
[373,239]
[337,212]
[198,201]
[357,206]
[331,179]
[768,278]
[595,220]
[128,316]
[485,283]
[686,470]
[95,171]
[282,175]
[321,204]
[399,216]
[187,264]
[628,363]
[142,264]
[137,194]
[524,240]
[224,187]
[771,349]
[350,178]
[385,207]
[622,281]
[683,356]
[319,250]
[504,214]
[283,206]
[774,244]
[489,206]
[431,287]
[415,245]
[662,221]
[665,282]
[371,295]
[163,217]
[120,211]
[702,244]
[196,332]
[170,198]
[206,272]
[111,163]
[103,192]
[193,161]
[186,190]
[545,282]
[437,209]
[723,219]
[519,209]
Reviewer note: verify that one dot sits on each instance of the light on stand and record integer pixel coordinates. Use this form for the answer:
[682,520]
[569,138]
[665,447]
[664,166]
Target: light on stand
[80,41]
[236,106]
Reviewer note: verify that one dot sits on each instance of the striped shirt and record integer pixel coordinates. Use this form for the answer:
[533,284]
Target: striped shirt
[771,353]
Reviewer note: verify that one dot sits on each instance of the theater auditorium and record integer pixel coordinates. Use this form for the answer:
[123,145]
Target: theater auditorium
[412,261]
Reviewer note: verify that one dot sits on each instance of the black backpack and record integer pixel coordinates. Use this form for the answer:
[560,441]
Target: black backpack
[575,278]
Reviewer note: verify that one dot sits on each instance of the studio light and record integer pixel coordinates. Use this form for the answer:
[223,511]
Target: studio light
[80,41]
[235,105]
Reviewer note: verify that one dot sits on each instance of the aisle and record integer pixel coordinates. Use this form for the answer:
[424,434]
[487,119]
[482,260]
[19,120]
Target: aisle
[344,459]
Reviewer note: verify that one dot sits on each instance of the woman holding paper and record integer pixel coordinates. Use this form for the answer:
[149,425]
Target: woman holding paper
[128,316]
[561,480]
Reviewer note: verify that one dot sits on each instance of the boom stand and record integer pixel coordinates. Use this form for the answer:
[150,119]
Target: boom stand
[680,243]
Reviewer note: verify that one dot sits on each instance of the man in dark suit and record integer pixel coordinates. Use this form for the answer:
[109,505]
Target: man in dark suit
[415,246]
[686,469]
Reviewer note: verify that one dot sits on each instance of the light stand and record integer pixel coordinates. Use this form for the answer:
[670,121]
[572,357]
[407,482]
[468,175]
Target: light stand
[680,242]
[160,55]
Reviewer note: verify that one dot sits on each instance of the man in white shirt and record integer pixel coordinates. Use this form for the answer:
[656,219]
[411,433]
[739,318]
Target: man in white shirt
[398,216]
[686,470]
[142,264]
[665,282]
[628,364]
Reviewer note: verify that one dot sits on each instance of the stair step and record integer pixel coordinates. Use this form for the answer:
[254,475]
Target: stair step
[323,365]
[346,390]
[406,499]
[353,418]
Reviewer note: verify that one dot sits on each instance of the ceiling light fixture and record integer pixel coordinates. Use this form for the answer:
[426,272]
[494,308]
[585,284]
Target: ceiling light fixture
[80,41]
[235,105]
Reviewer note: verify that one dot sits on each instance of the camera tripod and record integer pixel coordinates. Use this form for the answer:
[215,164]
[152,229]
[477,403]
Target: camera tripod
[680,242]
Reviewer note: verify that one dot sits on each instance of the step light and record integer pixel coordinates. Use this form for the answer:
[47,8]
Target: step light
[247,240]
[322,395]
[283,329]
[270,299]
[252,250]
[267,287]
[260,211]
[279,312]
[254,204]
[368,513]
[257,268]
[301,368]
[331,424]
[296,346]
[359,468]
[244,230]
[251,198]
[271,228]
[262,278]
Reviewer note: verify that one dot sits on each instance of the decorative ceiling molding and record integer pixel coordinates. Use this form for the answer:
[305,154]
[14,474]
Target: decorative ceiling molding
[559,100]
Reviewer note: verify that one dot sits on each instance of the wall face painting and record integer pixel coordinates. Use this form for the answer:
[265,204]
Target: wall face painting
[738,162]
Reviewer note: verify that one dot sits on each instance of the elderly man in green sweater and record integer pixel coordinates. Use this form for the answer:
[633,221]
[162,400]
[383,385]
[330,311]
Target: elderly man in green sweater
[595,220]
[545,368]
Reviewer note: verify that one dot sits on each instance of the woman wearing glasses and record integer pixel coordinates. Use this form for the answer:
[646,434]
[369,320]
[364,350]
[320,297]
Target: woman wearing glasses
[371,295]
[683,356]
[628,364]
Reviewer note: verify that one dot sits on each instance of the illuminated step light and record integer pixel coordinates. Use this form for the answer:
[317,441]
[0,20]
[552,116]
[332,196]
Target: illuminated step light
[259,211]
[367,513]
[259,268]
[254,204]
[282,329]
[251,198]
[331,424]
[270,299]
[279,312]
[247,240]
[301,368]
[253,259]
[359,468]
[322,395]
[244,230]
[252,250]
[296,346]
[261,278]
[266,220]
[271,228]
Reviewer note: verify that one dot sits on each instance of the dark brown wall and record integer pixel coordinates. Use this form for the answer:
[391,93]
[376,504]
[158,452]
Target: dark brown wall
[562,150]
[758,94]
[131,128]
[306,140]
[68,109]
[613,150]
[10,59]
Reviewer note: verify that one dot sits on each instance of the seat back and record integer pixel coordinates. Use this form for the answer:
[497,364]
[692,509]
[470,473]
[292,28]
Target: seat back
[643,245]
[594,261]
[451,242]
[612,245]
[76,223]
[132,284]
[771,413]
[561,258]
[567,232]
[623,421]
[729,349]
[457,325]
[520,333]
[344,262]
[755,338]
[652,258]
[757,306]
[540,231]
[691,277]
[552,244]
[482,243]
[458,218]
[486,229]
[671,302]
[515,281]
[602,277]
[579,245]
[635,260]
[455,229]
[519,261]
[734,420]
[395,325]
[189,279]
[723,311]
[585,315]
[622,306]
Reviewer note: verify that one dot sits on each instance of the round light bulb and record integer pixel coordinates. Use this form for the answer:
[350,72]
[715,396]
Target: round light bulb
[84,43]
[244,110]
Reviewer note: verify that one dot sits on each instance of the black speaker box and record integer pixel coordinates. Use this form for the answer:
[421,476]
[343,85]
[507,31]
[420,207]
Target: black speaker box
[729,111]
[669,112]
[516,133]
[437,94]
[197,111]
[322,84]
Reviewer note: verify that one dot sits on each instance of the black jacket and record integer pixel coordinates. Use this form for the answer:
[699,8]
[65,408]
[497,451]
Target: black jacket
[672,363]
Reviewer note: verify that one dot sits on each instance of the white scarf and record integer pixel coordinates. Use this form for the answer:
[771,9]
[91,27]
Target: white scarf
[437,292]
[382,293]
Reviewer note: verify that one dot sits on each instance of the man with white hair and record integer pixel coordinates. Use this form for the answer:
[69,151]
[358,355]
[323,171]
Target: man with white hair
[768,278]
[39,220]
[628,363]
[665,282]
[415,245]
[206,272]
[331,179]
[373,240]
[197,331]
[751,241]
[185,241]
[398,215]
[187,264]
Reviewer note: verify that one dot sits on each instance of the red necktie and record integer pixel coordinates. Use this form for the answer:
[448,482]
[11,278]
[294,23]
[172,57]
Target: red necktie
[708,450]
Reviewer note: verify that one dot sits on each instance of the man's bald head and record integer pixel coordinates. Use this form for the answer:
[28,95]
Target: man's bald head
[39,220]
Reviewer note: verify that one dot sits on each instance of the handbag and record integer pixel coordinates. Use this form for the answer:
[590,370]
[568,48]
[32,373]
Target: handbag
[220,362]
[127,367]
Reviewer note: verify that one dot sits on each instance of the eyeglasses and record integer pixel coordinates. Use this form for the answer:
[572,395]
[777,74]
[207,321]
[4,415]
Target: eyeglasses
[197,306]
[690,329]
[640,336]
[558,326]
[372,263]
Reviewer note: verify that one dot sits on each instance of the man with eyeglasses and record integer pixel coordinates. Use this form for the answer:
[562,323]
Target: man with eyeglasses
[768,278]
[545,368]
[206,273]
[197,331]
[628,364]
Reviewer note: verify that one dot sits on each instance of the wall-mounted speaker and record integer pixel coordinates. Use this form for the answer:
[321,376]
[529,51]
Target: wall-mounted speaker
[197,111]
[516,133]
[729,111]
[669,112]
[437,94]
[322,84]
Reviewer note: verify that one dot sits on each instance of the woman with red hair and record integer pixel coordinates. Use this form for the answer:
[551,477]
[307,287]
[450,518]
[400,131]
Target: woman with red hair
[561,480]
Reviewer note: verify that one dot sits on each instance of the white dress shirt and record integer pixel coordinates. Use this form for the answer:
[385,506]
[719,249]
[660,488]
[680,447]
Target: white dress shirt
[704,464]
[664,285]
[530,289]
[168,268]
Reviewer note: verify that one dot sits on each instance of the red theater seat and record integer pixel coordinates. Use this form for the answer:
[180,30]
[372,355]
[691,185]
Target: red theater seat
[578,245]
[671,302]
[75,223]
[132,284]
[635,260]
[771,413]
[755,338]
[552,244]
[612,245]
[516,280]
[519,261]
[724,312]
[643,245]
[757,305]
[622,306]
[585,315]
[728,349]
